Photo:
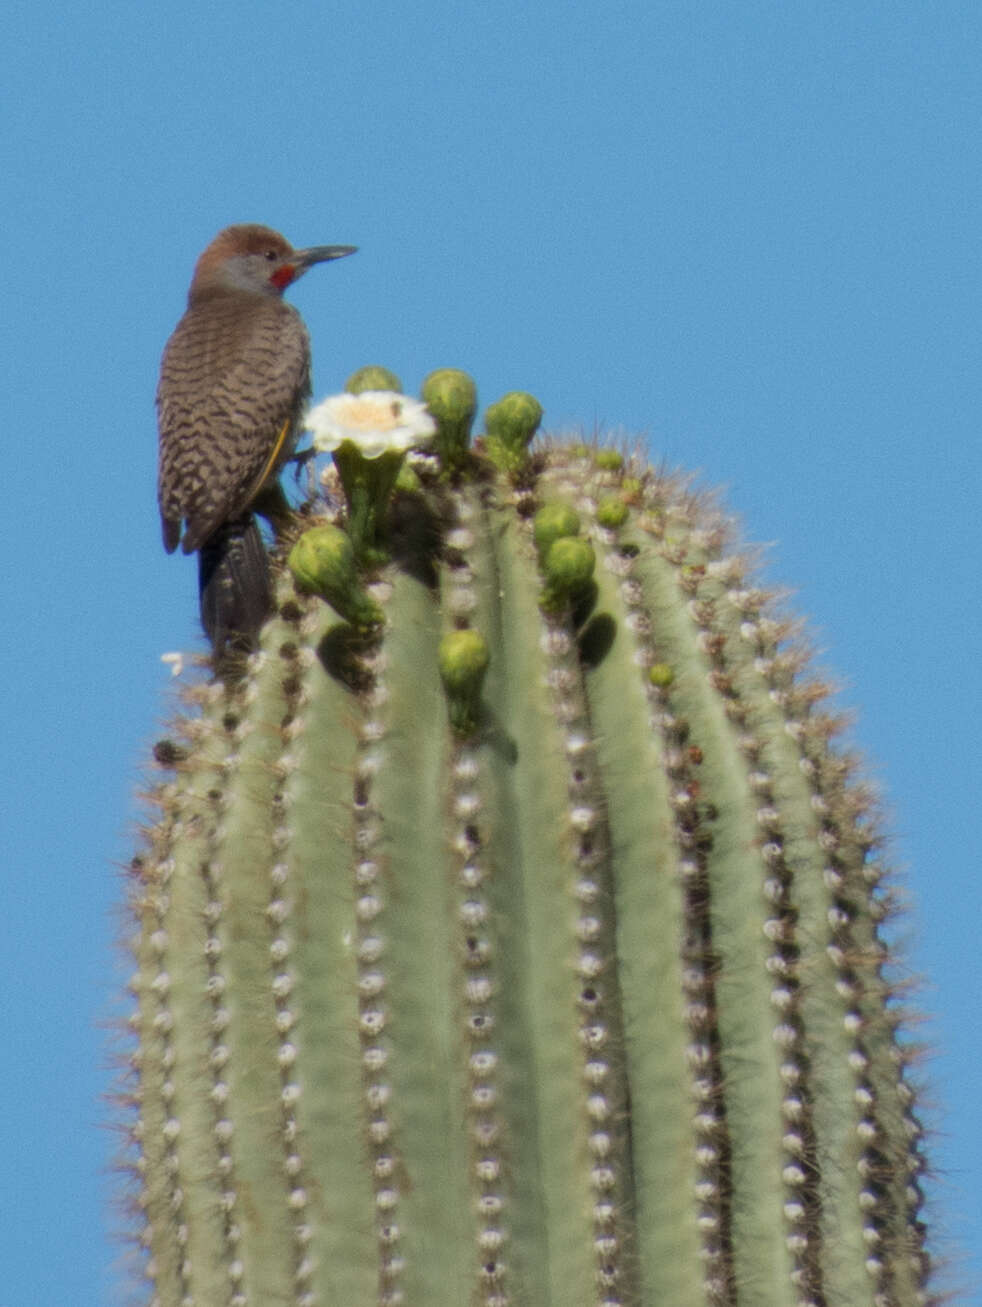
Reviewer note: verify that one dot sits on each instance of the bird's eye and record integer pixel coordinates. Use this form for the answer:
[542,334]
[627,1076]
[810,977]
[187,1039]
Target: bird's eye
[271,255]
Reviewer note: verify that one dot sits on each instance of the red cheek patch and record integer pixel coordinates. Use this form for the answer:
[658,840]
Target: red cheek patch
[282,277]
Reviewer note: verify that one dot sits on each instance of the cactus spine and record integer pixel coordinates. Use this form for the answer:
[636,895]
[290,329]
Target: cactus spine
[533,965]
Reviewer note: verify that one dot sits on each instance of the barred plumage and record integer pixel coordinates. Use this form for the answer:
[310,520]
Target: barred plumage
[234,379]
[234,373]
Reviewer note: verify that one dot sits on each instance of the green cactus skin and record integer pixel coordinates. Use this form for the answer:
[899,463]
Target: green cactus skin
[587,1008]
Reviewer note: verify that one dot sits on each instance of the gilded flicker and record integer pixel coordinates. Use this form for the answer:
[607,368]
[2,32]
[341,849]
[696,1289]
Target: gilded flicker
[234,379]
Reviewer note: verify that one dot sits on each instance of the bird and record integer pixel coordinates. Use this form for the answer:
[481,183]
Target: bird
[234,382]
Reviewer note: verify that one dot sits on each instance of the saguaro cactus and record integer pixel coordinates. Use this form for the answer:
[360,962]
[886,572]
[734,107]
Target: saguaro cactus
[509,930]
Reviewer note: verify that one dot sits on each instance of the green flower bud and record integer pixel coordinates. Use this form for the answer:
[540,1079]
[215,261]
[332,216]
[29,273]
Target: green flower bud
[553,522]
[372,377]
[612,512]
[608,460]
[567,569]
[451,397]
[323,563]
[463,659]
[661,675]
[511,425]
[514,420]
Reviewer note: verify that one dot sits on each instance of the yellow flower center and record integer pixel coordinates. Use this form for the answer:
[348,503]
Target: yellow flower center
[371,414]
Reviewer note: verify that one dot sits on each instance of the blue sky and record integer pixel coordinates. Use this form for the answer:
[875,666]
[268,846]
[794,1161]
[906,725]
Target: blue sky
[747,231]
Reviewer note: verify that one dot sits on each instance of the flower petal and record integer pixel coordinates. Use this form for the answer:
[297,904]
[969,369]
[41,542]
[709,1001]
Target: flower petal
[374,421]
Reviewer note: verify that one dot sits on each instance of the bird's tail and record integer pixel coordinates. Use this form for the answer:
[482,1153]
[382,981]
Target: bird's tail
[234,586]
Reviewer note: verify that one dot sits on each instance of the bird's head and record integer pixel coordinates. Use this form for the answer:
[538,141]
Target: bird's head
[253,258]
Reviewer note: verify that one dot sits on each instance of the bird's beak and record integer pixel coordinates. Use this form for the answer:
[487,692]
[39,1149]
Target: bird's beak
[304,259]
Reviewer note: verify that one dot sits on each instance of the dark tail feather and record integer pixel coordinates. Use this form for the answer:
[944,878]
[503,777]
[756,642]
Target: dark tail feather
[234,586]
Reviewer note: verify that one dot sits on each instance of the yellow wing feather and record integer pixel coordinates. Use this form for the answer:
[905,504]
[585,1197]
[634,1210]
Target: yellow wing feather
[271,462]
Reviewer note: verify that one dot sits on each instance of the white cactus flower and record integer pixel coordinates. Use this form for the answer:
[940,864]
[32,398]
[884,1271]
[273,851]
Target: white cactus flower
[374,422]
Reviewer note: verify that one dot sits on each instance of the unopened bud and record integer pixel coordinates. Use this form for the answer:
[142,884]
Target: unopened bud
[612,512]
[661,675]
[567,569]
[323,563]
[511,424]
[463,661]
[372,377]
[554,522]
[451,398]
